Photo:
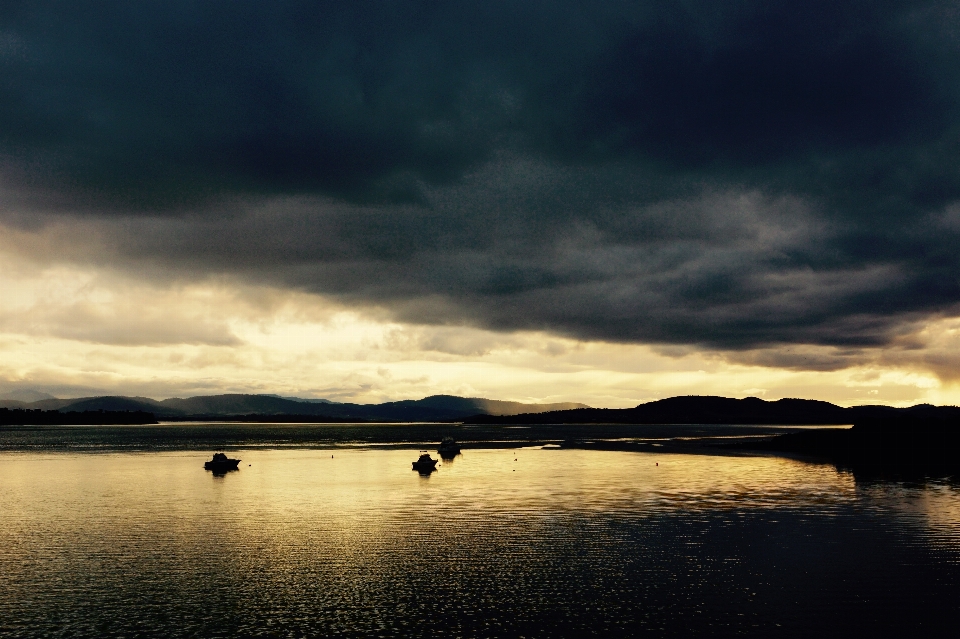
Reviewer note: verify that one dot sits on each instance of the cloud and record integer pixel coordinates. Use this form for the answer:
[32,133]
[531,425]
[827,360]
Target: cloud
[99,308]
[130,326]
[735,177]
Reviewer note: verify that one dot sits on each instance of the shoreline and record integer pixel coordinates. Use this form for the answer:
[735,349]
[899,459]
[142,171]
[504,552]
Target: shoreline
[894,449]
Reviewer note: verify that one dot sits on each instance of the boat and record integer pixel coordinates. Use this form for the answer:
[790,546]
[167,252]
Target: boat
[425,464]
[449,448]
[221,463]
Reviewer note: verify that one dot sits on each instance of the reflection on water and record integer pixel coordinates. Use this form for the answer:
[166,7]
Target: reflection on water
[509,542]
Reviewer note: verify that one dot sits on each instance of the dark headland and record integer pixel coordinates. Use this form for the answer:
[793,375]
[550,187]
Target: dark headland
[272,408]
[907,447]
[918,441]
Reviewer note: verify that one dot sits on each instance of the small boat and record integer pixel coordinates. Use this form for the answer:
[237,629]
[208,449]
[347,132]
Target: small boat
[425,464]
[221,464]
[449,448]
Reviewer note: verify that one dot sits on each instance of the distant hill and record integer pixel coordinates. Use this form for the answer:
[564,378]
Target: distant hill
[234,404]
[101,403]
[435,408]
[308,401]
[25,396]
[693,409]
[43,404]
[724,410]
[480,406]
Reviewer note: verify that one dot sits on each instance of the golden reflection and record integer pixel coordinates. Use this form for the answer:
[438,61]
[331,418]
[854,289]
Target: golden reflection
[353,541]
[274,486]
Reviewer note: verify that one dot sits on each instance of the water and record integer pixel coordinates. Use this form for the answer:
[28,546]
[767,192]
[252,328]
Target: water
[512,542]
[204,435]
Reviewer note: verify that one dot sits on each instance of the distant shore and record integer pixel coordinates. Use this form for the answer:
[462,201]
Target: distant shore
[907,443]
[26,417]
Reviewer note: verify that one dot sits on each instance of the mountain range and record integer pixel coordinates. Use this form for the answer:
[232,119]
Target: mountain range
[698,409]
[674,410]
[434,408]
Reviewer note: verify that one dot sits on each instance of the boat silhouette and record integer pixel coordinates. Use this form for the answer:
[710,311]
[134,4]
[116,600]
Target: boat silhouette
[425,464]
[448,448]
[221,463]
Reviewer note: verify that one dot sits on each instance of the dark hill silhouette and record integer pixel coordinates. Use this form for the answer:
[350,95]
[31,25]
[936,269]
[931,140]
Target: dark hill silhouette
[115,403]
[480,406]
[237,404]
[692,410]
[248,407]
[698,409]
[674,410]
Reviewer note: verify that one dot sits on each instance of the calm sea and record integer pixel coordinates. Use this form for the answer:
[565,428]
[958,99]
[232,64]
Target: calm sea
[345,540]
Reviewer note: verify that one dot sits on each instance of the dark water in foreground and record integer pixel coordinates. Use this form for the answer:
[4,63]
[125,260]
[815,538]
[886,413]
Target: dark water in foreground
[500,542]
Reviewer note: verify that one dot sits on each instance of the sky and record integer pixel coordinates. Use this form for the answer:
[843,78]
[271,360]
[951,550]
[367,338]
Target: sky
[602,202]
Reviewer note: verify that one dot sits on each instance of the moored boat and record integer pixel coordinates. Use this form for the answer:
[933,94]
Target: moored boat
[221,463]
[425,464]
[449,448]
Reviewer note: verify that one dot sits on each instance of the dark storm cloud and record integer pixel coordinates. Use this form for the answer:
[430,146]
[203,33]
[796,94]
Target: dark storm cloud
[731,174]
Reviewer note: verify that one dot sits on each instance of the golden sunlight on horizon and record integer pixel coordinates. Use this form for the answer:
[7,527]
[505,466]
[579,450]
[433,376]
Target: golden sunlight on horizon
[74,332]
